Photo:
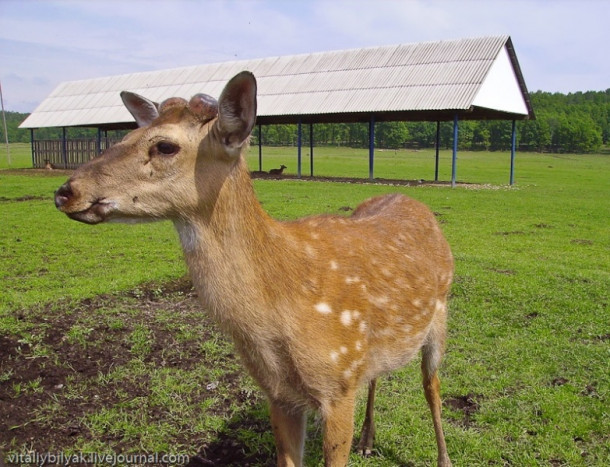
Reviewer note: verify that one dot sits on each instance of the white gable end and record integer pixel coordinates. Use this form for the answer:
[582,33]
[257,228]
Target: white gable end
[500,89]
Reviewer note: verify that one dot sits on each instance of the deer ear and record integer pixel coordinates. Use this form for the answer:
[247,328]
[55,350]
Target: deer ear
[142,109]
[237,110]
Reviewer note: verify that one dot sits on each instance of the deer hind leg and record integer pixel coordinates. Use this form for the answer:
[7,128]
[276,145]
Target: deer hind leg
[289,430]
[432,354]
[365,446]
[338,431]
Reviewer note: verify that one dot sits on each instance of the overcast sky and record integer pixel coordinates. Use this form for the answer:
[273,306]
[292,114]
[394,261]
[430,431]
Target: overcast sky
[562,45]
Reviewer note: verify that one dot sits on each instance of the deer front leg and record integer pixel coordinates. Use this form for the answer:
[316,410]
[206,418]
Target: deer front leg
[289,430]
[365,446]
[338,431]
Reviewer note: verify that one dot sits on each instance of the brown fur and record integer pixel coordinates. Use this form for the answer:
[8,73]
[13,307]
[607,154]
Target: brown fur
[316,307]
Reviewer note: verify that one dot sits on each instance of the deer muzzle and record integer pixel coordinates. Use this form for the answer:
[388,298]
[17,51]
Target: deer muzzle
[93,211]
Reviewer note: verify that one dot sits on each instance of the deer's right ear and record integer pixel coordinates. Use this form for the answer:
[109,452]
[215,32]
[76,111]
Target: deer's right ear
[142,109]
[237,110]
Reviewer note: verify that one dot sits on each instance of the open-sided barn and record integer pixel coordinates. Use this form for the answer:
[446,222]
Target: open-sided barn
[471,79]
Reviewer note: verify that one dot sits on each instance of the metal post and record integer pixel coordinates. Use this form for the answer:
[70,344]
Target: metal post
[33,147]
[371,147]
[513,143]
[299,143]
[64,147]
[311,149]
[8,146]
[98,142]
[438,146]
[260,148]
[455,148]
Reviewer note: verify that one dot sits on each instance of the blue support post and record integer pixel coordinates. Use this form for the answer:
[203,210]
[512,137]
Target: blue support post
[260,148]
[98,142]
[64,147]
[299,143]
[311,149]
[513,143]
[455,149]
[438,146]
[33,147]
[371,147]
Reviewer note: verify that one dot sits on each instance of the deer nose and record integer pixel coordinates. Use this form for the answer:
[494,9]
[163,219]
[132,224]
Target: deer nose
[63,195]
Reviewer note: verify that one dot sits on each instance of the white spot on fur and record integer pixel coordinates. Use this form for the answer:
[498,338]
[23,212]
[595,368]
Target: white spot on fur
[363,326]
[358,346]
[343,349]
[323,308]
[334,356]
[352,280]
[378,301]
[347,374]
[333,265]
[346,318]
[310,251]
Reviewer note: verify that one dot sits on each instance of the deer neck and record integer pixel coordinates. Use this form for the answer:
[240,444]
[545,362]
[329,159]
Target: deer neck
[232,247]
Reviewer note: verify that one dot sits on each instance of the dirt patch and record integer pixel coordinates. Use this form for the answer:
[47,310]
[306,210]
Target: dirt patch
[467,405]
[506,272]
[38,172]
[581,241]
[52,379]
[4,199]
[513,232]
[231,449]
[379,181]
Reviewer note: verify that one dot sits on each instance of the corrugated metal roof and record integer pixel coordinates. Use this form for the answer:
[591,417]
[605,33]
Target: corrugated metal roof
[430,78]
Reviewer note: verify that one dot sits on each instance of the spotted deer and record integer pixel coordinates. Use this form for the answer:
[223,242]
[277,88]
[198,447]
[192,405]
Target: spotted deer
[346,300]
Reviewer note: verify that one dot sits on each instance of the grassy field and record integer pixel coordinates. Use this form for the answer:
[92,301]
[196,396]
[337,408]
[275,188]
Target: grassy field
[103,349]
[20,156]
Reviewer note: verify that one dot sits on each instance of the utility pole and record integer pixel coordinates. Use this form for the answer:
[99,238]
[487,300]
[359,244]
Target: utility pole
[8,147]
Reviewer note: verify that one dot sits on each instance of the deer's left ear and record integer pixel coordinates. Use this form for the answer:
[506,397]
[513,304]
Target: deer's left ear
[237,110]
[142,109]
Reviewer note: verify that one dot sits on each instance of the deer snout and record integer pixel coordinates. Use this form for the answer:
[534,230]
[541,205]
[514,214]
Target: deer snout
[63,195]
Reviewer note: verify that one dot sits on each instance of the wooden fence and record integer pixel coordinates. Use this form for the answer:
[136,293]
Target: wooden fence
[68,154]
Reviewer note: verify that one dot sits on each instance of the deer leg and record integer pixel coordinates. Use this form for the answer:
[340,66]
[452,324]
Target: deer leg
[289,431]
[431,357]
[338,431]
[365,446]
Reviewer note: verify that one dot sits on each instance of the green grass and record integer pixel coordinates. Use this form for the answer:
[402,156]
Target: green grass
[473,167]
[46,257]
[528,331]
[20,156]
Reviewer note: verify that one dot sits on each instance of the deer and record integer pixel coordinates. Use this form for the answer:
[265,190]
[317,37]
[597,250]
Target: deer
[347,300]
[279,171]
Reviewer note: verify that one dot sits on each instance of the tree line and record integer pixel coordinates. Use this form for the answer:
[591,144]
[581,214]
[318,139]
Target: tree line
[575,123]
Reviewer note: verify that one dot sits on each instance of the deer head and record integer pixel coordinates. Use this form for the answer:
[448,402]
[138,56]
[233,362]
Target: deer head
[179,156]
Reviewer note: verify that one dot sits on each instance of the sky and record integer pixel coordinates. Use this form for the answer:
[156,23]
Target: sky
[561,45]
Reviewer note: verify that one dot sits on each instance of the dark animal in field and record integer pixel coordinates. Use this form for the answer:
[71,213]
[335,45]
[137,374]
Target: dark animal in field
[279,171]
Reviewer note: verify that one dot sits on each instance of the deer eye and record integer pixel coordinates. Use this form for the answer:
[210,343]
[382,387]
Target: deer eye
[164,148]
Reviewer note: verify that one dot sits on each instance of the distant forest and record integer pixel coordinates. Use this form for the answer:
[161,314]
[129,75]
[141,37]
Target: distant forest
[575,123]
